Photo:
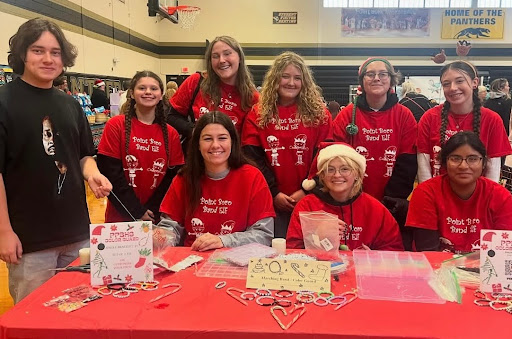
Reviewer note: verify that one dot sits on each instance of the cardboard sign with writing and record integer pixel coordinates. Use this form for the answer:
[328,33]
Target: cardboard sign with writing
[293,275]
[121,252]
[496,261]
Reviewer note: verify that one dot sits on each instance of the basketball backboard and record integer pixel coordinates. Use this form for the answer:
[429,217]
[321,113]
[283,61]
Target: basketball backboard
[159,7]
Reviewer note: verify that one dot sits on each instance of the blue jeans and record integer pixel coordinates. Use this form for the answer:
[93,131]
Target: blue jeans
[34,268]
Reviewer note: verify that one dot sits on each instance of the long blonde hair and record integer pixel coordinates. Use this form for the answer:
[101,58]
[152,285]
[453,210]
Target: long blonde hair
[244,83]
[310,106]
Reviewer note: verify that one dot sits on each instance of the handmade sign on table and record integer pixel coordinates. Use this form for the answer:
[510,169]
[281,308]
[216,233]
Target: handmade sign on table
[121,252]
[293,275]
[496,261]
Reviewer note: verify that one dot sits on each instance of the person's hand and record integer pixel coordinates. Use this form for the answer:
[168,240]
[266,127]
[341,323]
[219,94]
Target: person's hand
[342,226]
[207,242]
[148,216]
[10,247]
[398,208]
[297,195]
[284,202]
[99,185]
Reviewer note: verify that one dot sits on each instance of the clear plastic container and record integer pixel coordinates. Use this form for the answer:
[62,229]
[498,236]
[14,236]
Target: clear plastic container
[399,276]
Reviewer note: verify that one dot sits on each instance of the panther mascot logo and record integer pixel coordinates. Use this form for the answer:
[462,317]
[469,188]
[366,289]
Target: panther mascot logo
[475,32]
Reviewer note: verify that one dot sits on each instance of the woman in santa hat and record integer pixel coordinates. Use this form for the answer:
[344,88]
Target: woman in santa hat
[388,130]
[448,211]
[364,221]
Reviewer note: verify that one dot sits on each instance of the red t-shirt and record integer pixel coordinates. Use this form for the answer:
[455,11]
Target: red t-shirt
[381,138]
[230,101]
[289,147]
[434,206]
[146,164]
[226,206]
[492,134]
[373,225]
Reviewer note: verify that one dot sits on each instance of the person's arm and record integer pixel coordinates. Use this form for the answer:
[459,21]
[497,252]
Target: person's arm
[257,154]
[10,245]
[169,223]
[98,183]
[262,232]
[424,170]
[426,240]
[493,169]
[113,168]
[153,203]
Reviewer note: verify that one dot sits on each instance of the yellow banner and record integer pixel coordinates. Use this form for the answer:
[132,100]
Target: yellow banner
[473,23]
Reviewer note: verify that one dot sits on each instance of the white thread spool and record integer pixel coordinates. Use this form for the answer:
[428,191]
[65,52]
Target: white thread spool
[279,244]
[85,256]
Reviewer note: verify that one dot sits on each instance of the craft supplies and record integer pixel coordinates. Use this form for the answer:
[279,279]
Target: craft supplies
[85,256]
[279,244]
[242,254]
[347,301]
[495,261]
[280,308]
[321,234]
[177,288]
[230,292]
[82,268]
[220,284]
[187,262]
[217,267]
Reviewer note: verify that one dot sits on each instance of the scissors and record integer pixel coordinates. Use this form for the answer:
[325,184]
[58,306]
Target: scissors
[82,268]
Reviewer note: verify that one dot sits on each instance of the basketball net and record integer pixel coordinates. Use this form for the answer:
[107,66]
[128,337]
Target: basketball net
[186,15]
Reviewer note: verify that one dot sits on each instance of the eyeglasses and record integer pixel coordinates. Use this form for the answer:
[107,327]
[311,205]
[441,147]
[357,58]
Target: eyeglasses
[472,160]
[372,75]
[341,170]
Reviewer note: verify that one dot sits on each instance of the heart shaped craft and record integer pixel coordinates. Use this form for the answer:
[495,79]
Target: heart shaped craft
[297,316]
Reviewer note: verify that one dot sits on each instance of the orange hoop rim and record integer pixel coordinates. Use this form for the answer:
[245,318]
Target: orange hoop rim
[172,10]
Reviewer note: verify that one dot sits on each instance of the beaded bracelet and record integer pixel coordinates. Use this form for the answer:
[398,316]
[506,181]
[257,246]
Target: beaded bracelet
[288,293]
[305,292]
[152,282]
[480,295]
[220,284]
[337,300]
[130,289]
[326,294]
[502,297]
[136,285]
[148,287]
[310,297]
[263,292]
[116,286]
[284,303]
[248,295]
[260,298]
[321,301]
[482,302]
[104,290]
[507,304]
[121,294]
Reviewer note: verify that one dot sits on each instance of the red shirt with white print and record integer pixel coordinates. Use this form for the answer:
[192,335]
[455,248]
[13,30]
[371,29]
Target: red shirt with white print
[230,101]
[381,138]
[289,147]
[434,206]
[226,206]
[372,223]
[146,164]
[492,134]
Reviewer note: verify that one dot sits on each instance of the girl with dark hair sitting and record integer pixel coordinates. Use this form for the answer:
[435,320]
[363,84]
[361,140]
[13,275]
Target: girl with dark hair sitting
[218,199]
[447,212]
[462,111]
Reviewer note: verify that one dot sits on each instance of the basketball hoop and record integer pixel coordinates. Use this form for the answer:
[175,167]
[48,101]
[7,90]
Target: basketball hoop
[186,15]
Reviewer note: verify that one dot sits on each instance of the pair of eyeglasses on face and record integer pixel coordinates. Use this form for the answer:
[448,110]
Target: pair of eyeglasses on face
[471,160]
[341,170]
[381,75]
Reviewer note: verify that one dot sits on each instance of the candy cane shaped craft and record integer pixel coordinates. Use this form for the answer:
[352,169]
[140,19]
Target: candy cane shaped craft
[228,291]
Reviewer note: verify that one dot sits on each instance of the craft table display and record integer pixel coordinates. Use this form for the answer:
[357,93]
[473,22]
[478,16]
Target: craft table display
[199,310]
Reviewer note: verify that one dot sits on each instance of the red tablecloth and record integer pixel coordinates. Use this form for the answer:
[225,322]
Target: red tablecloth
[200,310]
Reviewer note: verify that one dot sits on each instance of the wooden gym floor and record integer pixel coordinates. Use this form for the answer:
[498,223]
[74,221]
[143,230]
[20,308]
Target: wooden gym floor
[97,214]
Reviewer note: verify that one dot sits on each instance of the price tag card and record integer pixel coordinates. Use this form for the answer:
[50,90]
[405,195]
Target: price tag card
[496,261]
[293,275]
[121,252]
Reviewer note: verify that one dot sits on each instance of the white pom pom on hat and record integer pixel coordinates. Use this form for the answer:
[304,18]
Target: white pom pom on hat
[328,151]
[99,83]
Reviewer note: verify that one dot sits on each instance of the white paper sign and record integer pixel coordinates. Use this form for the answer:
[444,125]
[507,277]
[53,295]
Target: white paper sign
[121,252]
[496,261]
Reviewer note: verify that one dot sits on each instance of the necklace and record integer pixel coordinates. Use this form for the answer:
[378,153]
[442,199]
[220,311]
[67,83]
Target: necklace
[457,122]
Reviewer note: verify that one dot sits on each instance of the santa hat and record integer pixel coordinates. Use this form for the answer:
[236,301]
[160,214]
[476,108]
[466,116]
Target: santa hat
[98,83]
[328,151]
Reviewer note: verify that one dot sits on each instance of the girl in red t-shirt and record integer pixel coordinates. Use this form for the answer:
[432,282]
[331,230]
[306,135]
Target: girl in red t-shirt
[139,153]
[282,132]
[448,211]
[462,111]
[218,199]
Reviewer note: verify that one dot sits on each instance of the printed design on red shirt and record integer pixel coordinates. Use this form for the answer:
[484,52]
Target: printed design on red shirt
[227,227]
[351,233]
[364,152]
[132,163]
[390,158]
[273,144]
[157,169]
[436,151]
[202,111]
[299,144]
[459,226]
[197,227]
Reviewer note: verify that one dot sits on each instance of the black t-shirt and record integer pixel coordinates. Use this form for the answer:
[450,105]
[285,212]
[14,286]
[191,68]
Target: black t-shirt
[417,103]
[99,98]
[502,106]
[43,136]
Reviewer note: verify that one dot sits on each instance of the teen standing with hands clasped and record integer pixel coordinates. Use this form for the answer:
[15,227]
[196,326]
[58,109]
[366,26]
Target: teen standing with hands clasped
[139,152]
[218,199]
[462,111]
[448,211]
[282,132]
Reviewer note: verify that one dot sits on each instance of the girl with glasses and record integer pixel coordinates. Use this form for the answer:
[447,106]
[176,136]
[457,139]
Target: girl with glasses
[462,111]
[385,132]
[363,221]
[469,203]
